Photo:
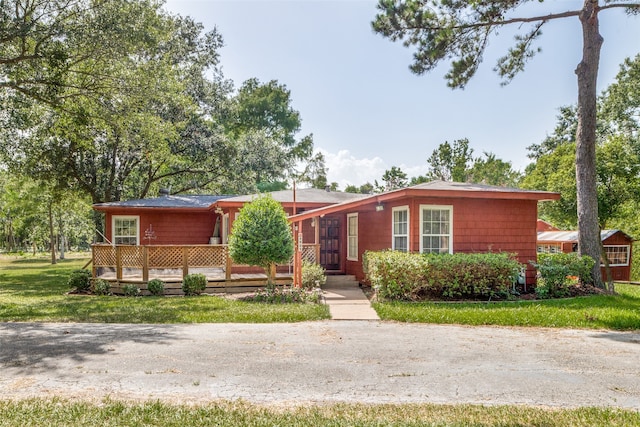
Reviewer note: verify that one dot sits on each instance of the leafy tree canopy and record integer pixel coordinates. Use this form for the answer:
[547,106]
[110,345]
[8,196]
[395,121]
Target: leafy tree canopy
[162,114]
[618,154]
[460,30]
[394,179]
[455,162]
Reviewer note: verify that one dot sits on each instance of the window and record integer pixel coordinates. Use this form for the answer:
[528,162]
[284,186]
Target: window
[352,237]
[125,230]
[436,229]
[552,248]
[400,237]
[618,255]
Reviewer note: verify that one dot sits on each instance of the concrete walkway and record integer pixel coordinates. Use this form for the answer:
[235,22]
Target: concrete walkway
[346,300]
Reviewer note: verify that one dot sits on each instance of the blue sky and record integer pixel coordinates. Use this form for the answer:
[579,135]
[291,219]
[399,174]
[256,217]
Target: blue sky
[368,112]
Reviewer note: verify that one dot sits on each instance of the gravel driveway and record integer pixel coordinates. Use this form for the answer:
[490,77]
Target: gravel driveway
[330,361]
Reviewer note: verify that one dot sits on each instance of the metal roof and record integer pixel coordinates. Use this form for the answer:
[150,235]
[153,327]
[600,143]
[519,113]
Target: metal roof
[572,236]
[176,201]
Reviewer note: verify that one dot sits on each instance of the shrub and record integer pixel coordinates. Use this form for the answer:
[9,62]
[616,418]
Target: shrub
[194,284]
[101,287]
[555,272]
[398,275]
[393,274]
[130,290]
[80,280]
[312,273]
[262,235]
[472,275]
[155,287]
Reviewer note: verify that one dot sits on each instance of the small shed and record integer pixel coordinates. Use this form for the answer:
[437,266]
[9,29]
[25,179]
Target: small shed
[617,245]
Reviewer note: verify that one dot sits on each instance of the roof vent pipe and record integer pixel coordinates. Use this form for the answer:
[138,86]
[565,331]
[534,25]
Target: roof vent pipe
[327,188]
[164,192]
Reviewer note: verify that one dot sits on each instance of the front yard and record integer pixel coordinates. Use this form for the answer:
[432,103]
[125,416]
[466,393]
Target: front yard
[33,290]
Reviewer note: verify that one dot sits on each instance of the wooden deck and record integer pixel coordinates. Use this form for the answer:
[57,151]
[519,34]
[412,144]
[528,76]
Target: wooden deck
[121,265]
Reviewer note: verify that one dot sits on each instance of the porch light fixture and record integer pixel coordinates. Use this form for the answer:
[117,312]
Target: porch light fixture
[379,207]
[219,210]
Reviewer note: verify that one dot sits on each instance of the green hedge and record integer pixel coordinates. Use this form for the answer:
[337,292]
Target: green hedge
[399,275]
[556,270]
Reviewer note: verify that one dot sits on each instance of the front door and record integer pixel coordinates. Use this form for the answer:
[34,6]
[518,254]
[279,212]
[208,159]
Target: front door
[330,243]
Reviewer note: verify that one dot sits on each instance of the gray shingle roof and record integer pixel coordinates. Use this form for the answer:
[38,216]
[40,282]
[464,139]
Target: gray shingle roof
[466,186]
[177,201]
[303,195]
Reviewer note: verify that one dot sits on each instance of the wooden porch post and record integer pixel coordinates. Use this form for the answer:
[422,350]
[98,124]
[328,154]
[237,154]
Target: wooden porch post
[229,265]
[94,269]
[145,264]
[297,261]
[118,263]
[316,221]
[185,261]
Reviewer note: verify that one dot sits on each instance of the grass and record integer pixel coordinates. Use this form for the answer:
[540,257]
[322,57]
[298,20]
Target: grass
[33,290]
[617,312]
[37,412]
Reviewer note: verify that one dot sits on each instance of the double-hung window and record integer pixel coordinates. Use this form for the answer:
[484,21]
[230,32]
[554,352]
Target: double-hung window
[436,229]
[352,237]
[400,237]
[126,230]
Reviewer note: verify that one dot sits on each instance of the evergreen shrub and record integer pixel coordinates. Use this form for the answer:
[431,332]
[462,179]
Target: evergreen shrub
[155,287]
[312,273]
[194,284]
[557,270]
[80,280]
[101,287]
[399,275]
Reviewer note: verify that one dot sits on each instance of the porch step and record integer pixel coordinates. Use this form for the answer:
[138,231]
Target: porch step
[341,280]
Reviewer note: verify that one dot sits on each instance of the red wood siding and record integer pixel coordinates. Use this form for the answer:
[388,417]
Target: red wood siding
[171,228]
[479,225]
[621,273]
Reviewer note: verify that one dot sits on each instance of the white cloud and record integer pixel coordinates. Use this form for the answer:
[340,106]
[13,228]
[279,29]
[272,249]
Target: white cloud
[346,169]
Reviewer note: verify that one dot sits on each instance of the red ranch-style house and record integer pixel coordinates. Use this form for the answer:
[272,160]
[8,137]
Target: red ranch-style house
[333,229]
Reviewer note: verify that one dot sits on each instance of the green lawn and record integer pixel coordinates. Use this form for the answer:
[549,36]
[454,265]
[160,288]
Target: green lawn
[33,290]
[38,412]
[618,312]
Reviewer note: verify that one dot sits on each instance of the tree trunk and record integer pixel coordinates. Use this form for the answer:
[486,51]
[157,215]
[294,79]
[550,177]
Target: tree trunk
[52,237]
[587,195]
[608,279]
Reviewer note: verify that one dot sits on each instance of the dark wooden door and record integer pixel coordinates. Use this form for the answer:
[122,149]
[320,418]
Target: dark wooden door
[330,243]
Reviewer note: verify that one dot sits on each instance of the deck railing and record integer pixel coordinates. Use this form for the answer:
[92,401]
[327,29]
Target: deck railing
[120,258]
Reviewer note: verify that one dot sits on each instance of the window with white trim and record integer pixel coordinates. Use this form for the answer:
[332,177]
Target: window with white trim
[126,230]
[352,237]
[400,229]
[436,229]
[618,255]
